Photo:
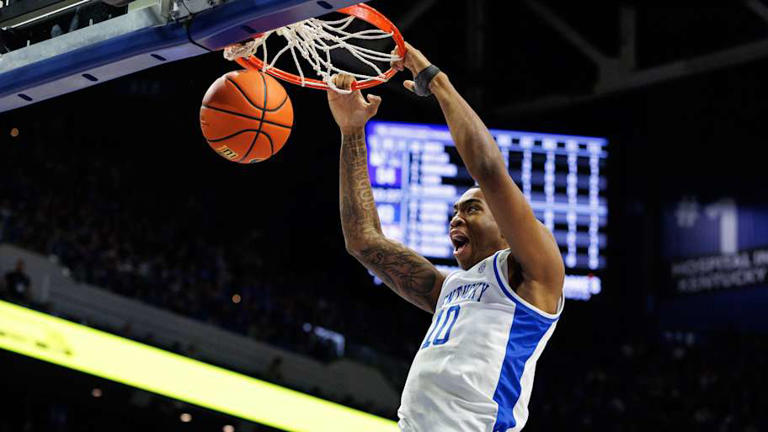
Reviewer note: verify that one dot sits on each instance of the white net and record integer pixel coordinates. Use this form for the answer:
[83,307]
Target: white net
[314,40]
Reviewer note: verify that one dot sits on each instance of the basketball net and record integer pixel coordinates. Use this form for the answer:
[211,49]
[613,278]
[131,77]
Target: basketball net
[314,39]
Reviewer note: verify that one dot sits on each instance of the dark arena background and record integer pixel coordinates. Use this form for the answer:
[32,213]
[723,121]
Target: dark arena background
[115,214]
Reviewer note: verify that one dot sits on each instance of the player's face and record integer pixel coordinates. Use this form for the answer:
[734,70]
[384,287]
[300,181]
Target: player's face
[474,232]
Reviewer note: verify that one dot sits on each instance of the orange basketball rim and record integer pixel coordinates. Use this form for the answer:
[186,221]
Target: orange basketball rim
[359,11]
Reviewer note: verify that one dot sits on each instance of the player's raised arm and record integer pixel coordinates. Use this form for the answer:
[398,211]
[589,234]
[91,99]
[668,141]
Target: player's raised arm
[404,271]
[531,244]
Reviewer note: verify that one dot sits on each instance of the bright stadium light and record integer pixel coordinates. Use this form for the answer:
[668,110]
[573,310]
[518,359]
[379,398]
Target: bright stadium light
[104,355]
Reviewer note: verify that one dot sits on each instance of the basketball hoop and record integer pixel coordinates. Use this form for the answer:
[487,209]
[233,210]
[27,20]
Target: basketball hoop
[314,39]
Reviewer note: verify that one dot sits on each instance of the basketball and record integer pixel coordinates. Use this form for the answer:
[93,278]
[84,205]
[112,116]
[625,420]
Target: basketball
[246,116]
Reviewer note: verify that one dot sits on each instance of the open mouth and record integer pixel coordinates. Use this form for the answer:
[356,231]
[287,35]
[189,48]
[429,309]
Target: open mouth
[460,243]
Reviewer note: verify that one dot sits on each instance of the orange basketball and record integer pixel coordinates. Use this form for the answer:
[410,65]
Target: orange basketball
[246,116]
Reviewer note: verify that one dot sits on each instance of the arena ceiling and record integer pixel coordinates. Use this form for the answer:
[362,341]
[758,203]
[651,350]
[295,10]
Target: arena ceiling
[533,55]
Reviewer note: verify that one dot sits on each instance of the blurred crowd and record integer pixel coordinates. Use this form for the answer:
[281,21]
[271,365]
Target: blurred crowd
[96,219]
[671,382]
[41,398]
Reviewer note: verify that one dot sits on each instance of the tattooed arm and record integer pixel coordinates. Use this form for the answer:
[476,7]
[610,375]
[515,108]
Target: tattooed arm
[404,271]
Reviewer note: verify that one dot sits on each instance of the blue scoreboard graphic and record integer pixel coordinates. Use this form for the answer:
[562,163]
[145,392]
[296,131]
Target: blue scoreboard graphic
[417,175]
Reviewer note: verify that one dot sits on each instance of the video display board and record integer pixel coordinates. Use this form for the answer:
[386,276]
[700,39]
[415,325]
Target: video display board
[417,175]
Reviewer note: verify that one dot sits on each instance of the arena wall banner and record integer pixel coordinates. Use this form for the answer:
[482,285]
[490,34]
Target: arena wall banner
[711,273]
[713,245]
[715,254]
[81,348]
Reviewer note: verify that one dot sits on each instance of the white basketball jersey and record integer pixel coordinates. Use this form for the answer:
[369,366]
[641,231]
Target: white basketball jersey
[474,370]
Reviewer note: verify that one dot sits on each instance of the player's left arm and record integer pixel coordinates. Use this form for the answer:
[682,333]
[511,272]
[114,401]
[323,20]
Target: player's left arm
[403,270]
[532,245]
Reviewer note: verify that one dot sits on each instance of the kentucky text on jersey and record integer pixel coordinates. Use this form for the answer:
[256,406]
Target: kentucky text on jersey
[473,291]
[474,371]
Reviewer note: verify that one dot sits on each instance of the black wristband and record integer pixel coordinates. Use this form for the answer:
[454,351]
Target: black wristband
[423,79]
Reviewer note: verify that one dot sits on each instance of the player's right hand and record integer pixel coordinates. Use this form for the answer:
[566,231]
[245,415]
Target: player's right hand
[413,60]
[351,111]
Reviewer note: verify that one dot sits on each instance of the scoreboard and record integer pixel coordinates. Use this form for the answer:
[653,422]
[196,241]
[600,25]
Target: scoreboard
[417,175]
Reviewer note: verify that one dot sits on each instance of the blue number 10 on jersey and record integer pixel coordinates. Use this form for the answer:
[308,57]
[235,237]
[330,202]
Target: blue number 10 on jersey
[445,325]
[474,372]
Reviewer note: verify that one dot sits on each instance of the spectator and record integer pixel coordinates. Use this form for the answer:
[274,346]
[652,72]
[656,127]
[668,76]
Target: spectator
[274,370]
[17,283]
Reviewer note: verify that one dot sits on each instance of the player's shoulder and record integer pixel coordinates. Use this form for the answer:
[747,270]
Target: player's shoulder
[525,293]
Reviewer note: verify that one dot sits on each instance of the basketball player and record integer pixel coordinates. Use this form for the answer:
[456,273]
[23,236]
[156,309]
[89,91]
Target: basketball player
[492,319]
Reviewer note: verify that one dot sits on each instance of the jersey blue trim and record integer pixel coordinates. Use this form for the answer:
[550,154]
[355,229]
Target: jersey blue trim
[519,303]
[528,328]
[525,333]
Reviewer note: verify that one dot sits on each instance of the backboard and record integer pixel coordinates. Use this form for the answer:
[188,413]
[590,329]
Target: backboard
[144,34]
